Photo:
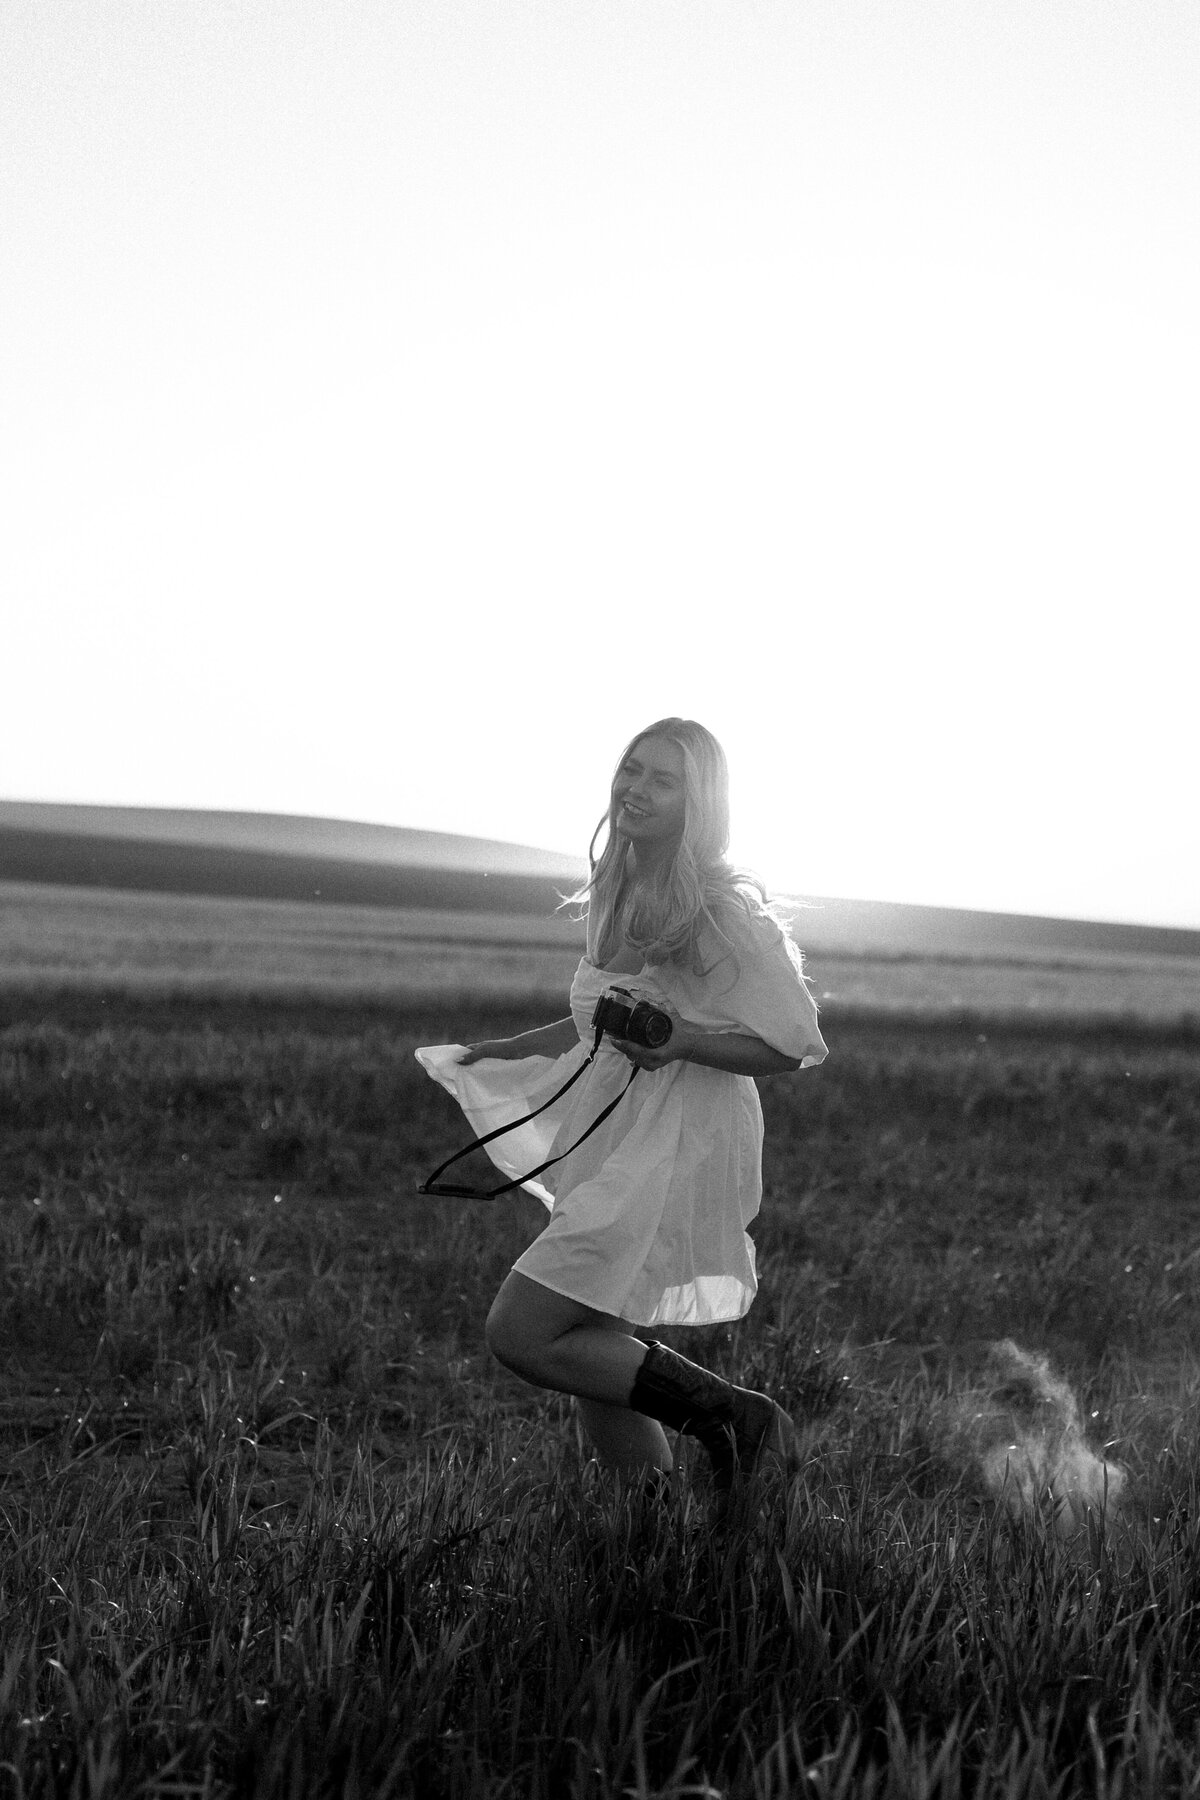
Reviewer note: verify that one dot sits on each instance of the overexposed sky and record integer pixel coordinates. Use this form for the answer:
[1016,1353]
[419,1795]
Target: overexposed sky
[402,404]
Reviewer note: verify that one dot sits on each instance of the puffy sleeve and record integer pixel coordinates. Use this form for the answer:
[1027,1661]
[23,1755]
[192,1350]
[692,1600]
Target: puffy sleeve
[765,994]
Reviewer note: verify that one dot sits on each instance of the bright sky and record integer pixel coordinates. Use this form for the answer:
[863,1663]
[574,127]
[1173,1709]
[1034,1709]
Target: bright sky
[403,403]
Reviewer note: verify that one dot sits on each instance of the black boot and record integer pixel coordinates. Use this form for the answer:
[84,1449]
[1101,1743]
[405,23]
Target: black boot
[736,1426]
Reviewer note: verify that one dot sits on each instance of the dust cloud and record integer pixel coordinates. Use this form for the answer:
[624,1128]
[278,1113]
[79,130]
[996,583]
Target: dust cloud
[1021,1427]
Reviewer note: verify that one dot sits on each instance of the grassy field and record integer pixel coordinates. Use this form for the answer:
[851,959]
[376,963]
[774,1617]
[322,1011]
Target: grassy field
[274,1523]
[159,944]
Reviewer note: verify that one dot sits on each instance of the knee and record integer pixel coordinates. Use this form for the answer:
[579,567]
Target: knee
[506,1339]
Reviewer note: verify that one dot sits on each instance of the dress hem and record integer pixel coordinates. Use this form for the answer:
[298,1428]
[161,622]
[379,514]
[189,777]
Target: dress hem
[636,1324]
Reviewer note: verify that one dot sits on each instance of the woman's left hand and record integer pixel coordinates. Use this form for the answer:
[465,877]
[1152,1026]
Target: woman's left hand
[679,1045]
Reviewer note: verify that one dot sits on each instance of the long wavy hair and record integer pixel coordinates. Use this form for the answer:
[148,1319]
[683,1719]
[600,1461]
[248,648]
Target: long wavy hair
[694,895]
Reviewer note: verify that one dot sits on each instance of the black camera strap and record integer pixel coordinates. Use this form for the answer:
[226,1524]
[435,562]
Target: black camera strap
[448,1190]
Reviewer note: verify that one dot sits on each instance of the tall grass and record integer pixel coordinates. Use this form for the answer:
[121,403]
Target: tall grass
[273,1524]
[490,1617]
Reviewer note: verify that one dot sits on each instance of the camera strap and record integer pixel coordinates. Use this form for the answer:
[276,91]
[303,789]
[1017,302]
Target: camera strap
[448,1190]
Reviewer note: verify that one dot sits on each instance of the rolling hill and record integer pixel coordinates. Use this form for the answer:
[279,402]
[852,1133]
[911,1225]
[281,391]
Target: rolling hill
[274,856]
[292,857]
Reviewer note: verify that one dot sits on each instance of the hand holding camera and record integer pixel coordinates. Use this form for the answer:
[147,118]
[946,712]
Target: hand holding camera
[649,1033]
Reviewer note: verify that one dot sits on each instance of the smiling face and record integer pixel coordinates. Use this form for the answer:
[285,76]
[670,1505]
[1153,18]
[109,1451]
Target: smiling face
[650,795]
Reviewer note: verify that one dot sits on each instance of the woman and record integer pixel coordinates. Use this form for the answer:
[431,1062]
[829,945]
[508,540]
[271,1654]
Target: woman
[648,1216]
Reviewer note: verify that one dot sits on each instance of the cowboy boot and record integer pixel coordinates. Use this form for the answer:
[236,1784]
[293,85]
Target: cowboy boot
[736,1426]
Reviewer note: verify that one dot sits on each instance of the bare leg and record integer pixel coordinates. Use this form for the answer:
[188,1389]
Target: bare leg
[624,1439]
[557,1343]
[553,1342]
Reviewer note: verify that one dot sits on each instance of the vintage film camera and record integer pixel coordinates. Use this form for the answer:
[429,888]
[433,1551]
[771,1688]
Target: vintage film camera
[637,1021]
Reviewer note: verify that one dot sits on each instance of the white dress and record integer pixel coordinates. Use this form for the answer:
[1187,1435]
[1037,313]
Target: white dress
[648,1217]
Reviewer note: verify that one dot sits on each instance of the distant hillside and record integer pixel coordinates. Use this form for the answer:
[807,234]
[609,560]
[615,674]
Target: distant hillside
[894,928]
[289,834]
[273,856]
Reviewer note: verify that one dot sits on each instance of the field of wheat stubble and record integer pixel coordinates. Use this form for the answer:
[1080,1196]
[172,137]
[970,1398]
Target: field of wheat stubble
[274,1523]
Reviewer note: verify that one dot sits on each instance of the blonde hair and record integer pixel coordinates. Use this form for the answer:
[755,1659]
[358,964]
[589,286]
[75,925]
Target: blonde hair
[694,894]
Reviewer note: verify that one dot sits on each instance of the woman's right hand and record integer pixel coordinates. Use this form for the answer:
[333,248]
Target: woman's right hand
[504,1048]
[546,1040]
